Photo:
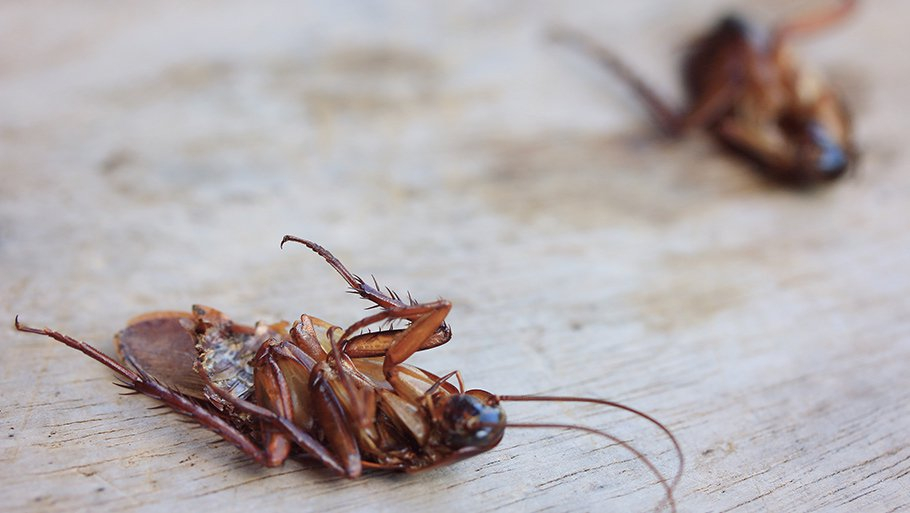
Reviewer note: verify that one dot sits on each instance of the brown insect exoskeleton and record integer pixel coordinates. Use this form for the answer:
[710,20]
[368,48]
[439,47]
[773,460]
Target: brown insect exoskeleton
[343,397]
[744,86]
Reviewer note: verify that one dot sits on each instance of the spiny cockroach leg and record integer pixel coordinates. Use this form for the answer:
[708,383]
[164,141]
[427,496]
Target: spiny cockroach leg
[428,318]
[371,293]
[438,383]
[665,117]
[815,20]
[148,386]
[300,437]
[361,287]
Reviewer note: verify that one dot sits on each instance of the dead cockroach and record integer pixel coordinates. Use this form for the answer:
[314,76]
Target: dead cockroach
[744,87]
[343,397]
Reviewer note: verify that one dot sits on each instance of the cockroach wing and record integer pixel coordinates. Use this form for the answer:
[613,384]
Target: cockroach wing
[160,346]
[406,415]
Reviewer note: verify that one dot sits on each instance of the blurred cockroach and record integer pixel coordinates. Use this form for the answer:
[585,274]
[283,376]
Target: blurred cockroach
[744,87]
[343,397]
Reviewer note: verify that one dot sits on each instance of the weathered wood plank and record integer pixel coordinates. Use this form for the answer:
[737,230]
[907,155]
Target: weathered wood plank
[154,154]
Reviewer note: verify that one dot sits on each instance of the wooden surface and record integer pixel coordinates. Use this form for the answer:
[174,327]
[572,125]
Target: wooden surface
[153,154]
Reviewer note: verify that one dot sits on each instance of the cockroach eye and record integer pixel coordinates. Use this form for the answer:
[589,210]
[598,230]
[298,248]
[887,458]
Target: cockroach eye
[469,422]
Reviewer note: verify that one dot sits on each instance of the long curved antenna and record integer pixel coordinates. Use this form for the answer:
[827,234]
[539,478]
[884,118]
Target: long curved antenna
[668,488]
[603,402]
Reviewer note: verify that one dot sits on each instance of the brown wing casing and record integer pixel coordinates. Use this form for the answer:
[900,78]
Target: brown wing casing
[160,345]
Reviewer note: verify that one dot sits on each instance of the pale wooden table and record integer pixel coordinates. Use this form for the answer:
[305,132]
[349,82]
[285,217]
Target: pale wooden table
[153,154]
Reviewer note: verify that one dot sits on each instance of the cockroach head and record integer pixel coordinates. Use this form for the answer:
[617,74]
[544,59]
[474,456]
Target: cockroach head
[472,419]
[822,155]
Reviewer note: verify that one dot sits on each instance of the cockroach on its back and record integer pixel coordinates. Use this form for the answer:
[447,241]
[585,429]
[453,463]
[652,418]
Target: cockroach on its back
[343,397]
[745,88]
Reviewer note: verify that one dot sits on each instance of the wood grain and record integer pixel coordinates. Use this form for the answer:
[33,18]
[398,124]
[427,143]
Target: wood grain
[153,154]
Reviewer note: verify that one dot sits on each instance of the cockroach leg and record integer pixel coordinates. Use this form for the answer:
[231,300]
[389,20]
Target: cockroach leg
[300,437]
[430,391]
[415,335]
[360,401]
[373,294]
[328,411]
[428,317]
[326,408]
[277,407]
[272,391]
[303,336]
[666,118]
[361,287]
[671,123]
[290,351]
[147,385]
[816,20]
[710,107]
[83,347]
[377,343]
